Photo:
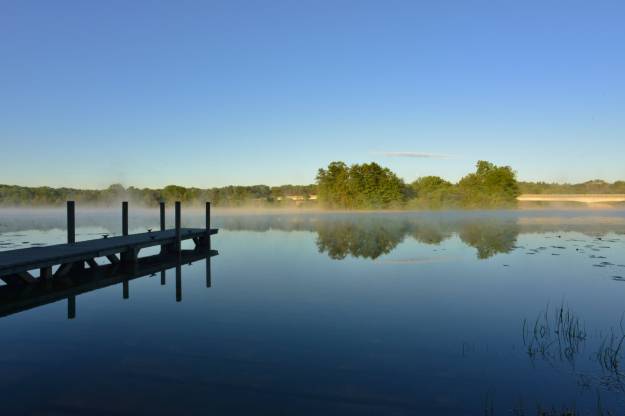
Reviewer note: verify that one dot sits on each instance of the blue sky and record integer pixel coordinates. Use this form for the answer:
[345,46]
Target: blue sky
[150,93]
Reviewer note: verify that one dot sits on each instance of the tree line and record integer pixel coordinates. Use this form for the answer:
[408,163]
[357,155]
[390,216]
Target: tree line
[596,186]
[370,186]
[227,196]
[338,186]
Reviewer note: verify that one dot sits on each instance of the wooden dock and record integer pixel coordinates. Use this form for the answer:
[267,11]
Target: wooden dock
[121,252]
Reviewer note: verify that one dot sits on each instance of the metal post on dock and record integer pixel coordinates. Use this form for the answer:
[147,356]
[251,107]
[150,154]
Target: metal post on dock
[71,223]
[126,289]
[178,244]
[163,278]
[162,209]
[125,218]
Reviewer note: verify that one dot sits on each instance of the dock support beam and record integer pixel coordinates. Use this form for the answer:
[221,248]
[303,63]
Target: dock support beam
[71,223]
[125,218]
[45,273]
[63,269]
[129,258]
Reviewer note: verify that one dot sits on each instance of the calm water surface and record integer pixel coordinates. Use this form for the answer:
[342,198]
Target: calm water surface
[446,314]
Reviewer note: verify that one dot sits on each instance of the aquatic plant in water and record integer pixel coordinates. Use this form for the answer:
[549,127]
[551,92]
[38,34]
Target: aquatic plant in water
[558,336]
[561,336]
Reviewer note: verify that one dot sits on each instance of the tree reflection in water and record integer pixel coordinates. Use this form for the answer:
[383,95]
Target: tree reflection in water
[367,239]
[372,237]
[490,237]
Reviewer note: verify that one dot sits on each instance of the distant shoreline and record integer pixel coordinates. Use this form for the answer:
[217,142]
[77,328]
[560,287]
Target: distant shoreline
[585,198]
[544,204]
[571,201]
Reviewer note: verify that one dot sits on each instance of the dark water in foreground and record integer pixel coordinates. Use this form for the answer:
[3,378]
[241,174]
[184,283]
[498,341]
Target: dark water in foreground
[433,314]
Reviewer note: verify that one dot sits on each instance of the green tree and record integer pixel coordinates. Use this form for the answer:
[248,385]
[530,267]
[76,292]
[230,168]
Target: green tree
[433,192]
[489,186]
[333,186]
[172,193]
[359,186]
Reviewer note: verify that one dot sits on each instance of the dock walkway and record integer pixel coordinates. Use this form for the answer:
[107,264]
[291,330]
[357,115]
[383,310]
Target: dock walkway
[17,261]
[120,251]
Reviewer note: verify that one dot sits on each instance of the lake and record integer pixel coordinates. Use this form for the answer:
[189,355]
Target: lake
[451,313]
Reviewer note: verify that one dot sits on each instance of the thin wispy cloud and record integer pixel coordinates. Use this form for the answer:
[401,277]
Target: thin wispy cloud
[416,155]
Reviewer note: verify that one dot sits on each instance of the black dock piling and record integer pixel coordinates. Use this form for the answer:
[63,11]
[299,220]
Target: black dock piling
[163,278]
[126,289]
[162,210]
[205,241]
[178,235]
[129,257]
[208,216]
[125,218]
[71,223]
[161,206]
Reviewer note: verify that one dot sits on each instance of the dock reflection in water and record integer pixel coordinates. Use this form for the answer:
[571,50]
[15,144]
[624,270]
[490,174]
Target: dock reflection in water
[19,298]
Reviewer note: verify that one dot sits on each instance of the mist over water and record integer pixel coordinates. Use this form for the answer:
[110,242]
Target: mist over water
[342,313]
